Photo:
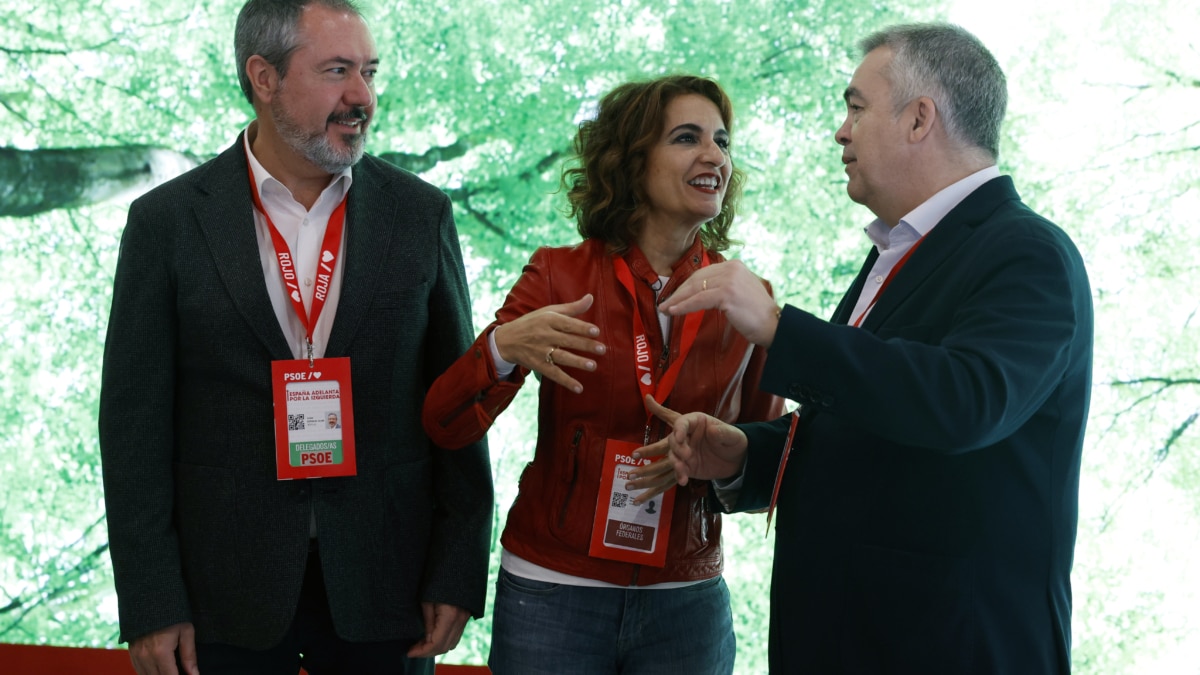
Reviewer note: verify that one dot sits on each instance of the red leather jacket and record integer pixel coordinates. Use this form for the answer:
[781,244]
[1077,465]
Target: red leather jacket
[550,522]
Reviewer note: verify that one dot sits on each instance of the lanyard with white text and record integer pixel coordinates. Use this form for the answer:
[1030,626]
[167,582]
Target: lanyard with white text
[899,263]
[331,248]
[643,371]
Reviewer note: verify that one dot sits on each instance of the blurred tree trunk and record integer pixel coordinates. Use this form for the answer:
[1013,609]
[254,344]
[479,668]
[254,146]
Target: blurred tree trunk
[36,181]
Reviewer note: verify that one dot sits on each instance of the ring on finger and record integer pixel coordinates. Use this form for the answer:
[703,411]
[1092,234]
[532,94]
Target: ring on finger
[550,356]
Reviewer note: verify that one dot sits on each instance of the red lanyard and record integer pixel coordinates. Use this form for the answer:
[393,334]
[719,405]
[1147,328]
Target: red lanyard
[643,362]
[787,449]
[331,248]
[899,263]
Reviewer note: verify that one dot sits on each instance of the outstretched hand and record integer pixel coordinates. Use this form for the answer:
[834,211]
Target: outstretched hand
[699,446]
[550,339]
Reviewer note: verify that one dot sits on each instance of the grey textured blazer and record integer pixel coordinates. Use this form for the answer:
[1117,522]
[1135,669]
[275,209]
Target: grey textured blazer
[200,529]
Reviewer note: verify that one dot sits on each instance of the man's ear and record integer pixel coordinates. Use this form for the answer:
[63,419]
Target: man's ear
[264,78]
[924,115]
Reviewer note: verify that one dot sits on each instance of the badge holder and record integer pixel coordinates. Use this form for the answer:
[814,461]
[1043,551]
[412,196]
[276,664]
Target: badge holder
[623,530]
[314,418]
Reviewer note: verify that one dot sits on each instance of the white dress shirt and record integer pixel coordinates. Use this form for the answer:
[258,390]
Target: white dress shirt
[304,231]
[894,242]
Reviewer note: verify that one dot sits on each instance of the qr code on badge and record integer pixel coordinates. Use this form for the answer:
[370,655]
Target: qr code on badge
[620,500]
[296,422]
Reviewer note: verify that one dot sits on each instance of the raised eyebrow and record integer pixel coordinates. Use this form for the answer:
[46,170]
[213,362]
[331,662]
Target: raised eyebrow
[350,63]
[687,126]
[695,128]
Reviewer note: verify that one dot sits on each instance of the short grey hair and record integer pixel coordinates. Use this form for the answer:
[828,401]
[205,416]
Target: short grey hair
[270,29]
[951,66]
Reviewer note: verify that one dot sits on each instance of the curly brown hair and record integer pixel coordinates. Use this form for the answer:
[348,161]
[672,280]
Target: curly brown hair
[606,186]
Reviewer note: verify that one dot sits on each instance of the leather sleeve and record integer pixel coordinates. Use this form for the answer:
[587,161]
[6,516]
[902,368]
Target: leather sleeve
[465,400]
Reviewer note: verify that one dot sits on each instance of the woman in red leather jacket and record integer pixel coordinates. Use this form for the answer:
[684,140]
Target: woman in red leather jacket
[589,581]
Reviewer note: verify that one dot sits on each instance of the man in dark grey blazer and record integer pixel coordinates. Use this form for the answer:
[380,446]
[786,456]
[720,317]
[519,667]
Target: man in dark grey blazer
[218,562]
[928,506]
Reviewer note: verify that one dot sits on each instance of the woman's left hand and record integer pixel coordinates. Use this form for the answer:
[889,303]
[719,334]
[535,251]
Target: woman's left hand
[550,339]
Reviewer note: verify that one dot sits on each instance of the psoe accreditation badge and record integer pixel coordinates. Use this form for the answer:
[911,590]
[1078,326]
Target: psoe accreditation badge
[314,418]
[621,529]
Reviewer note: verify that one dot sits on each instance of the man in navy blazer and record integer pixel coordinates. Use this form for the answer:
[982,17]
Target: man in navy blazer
[928,507]
[218,563]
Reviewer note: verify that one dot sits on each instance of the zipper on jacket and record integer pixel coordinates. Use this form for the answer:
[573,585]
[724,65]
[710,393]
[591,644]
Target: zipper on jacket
[460,409]
[665,356]
[662,368]
[562,516]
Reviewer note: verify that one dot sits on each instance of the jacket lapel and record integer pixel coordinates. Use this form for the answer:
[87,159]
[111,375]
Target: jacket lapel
[939,247]
[841,315]
[371,212]
[225,216]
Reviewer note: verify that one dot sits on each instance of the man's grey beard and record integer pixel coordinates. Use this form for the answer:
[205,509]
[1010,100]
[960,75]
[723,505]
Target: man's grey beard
[315,147]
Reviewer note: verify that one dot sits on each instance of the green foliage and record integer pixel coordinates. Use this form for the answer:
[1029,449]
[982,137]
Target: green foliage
[488,95]
[516,96]
[1119,171]
[55,572]
[80,73]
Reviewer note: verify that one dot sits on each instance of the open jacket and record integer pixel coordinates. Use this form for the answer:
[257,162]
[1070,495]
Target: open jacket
[550,523]
[200,528]
[926,521]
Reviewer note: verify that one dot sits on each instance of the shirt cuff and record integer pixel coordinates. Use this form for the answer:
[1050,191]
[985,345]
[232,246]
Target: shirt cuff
[503,368]
[727,490]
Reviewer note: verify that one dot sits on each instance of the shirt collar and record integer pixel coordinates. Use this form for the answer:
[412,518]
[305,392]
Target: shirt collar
[921,220]
[268,184]
[687,263]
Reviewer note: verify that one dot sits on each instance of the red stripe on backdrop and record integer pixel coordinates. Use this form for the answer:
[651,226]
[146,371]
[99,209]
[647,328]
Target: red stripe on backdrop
[42,660]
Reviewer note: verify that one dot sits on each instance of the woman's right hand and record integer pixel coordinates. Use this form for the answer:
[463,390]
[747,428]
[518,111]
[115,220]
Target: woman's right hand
[550,339]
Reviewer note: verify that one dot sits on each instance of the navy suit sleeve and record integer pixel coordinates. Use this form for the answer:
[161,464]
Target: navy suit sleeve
[965,360]
[765,449]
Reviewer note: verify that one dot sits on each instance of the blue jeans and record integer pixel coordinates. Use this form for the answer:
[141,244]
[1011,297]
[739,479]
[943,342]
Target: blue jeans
[539,627]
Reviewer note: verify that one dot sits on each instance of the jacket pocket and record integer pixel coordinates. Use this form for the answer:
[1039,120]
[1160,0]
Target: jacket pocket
[401,298]
[210,540]
[571,474]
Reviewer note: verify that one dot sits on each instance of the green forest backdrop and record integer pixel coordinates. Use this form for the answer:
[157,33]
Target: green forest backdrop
[102,99]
